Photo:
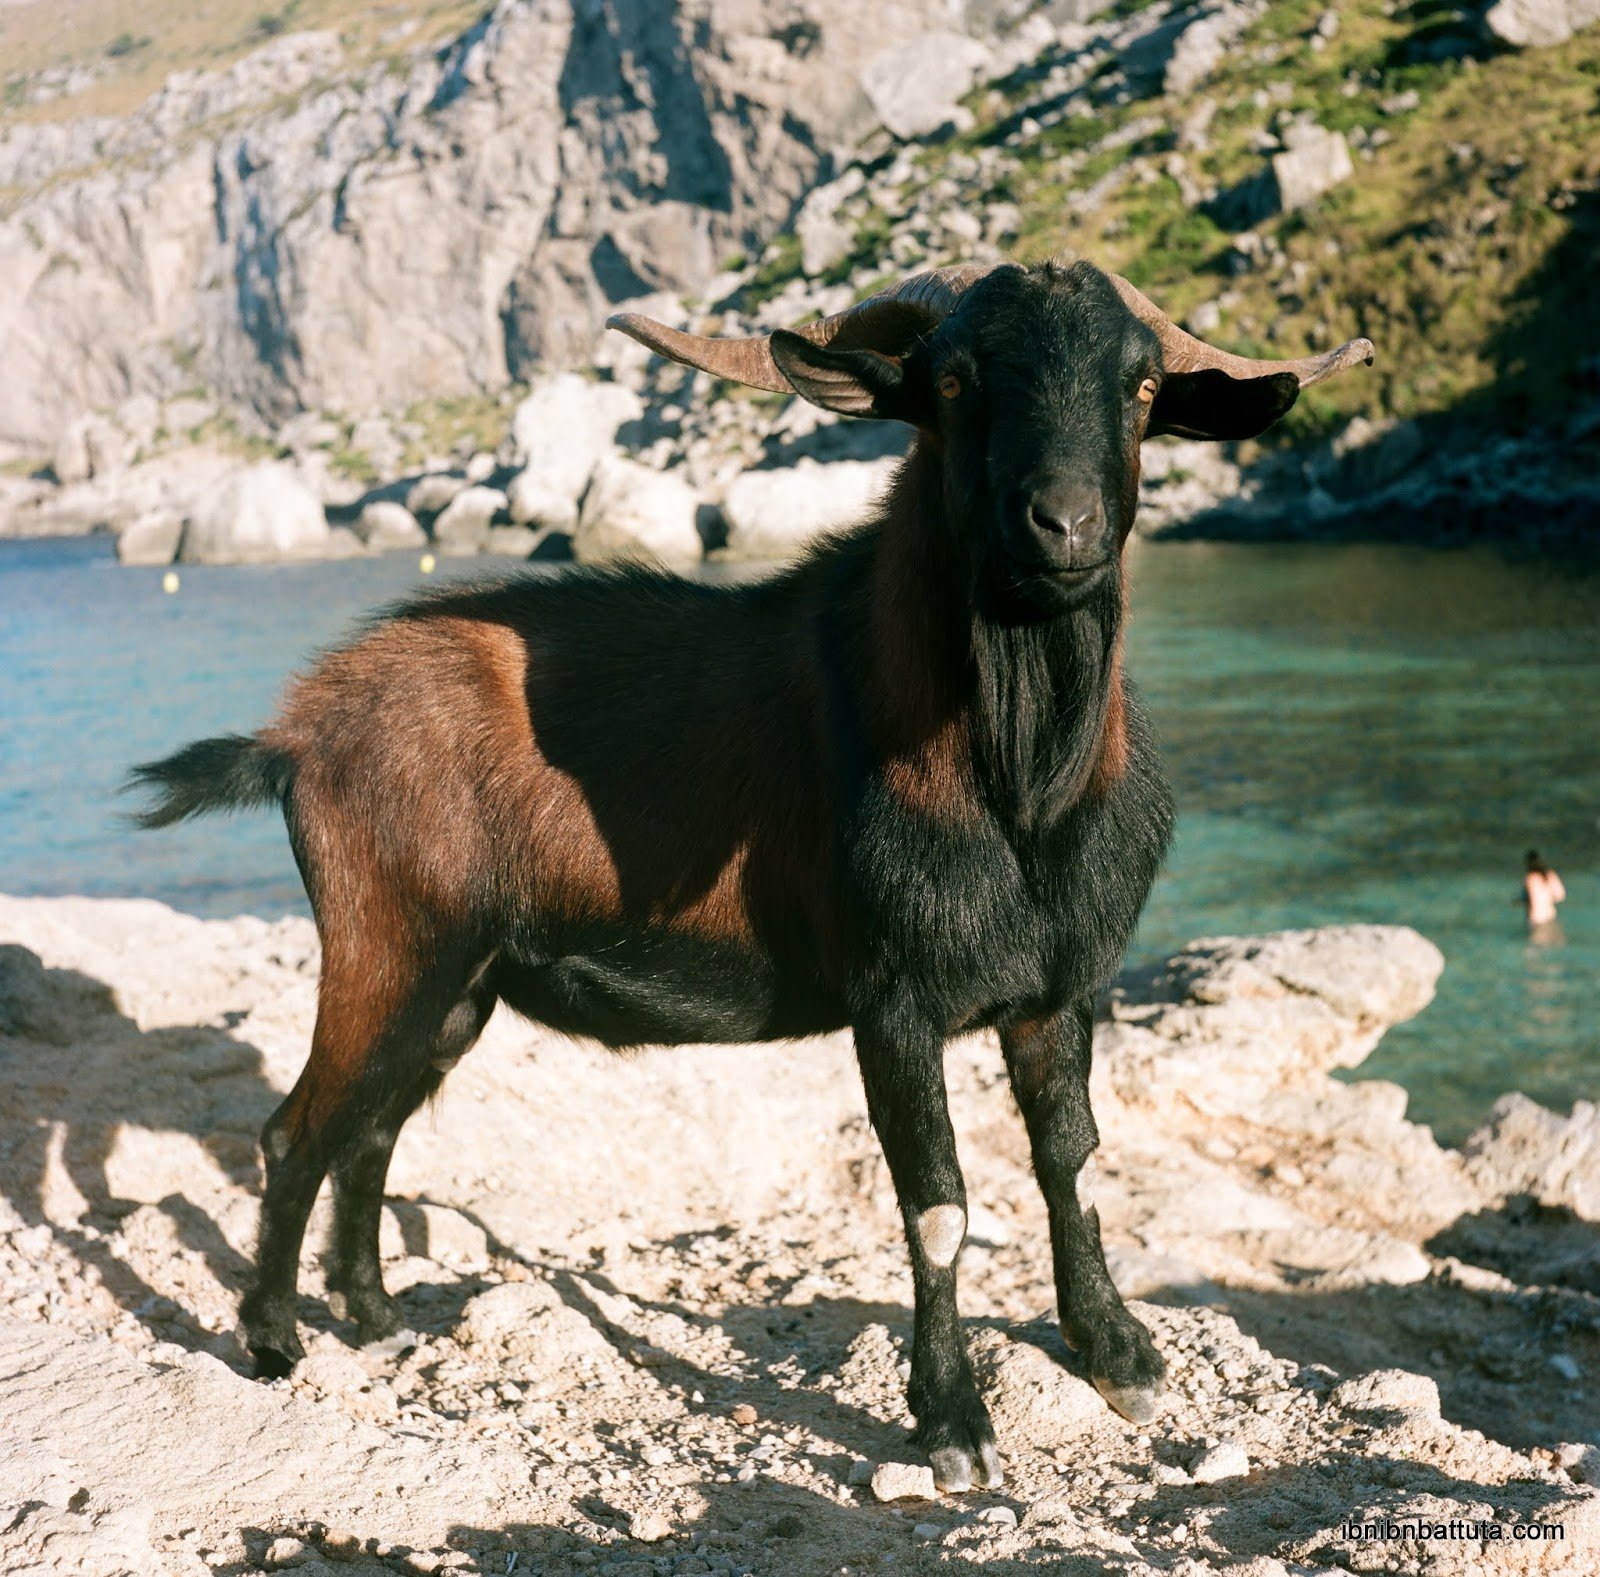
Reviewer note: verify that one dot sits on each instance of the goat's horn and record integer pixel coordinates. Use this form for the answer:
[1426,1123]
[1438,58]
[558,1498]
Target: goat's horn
[1182,352]
[893,317]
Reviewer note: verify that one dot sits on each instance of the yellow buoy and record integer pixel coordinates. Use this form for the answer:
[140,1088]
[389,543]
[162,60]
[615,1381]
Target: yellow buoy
[426,564]
[170,582]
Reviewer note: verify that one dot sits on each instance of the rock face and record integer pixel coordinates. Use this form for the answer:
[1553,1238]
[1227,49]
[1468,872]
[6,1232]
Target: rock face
[914,85]
[633,512]
[261,513]
[772,514]
[1539,24]
[426,230]
[665,1312]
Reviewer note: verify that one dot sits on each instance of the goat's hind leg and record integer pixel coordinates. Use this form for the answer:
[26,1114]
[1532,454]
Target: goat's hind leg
[355,1279]
[378,1021]
[902,1068]
[1048,1060]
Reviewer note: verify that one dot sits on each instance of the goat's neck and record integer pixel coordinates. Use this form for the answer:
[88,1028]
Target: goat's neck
[973,706]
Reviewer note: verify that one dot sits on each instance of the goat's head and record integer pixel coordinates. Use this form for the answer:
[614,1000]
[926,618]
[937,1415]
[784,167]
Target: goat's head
[1037,385]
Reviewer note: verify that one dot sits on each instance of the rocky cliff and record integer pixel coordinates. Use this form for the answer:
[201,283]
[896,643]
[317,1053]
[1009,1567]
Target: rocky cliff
[361,265]
[660,1306]
[296,235]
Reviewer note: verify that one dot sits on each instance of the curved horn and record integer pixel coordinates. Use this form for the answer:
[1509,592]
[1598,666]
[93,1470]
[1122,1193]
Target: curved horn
[896,315]
[1182,352]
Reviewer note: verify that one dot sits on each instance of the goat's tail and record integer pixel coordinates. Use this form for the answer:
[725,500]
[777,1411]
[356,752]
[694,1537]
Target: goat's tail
[232,772]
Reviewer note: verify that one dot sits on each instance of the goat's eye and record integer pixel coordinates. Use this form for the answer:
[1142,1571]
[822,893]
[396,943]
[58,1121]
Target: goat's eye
[1148,390]
[949,386]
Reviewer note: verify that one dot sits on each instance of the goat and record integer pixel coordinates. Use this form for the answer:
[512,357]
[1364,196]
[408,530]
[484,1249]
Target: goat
[901,785]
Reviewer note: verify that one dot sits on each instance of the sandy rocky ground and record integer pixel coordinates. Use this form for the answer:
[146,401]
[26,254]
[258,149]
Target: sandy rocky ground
[661,1308]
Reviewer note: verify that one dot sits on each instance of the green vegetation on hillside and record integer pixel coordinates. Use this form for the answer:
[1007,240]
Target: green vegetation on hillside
[1465,245]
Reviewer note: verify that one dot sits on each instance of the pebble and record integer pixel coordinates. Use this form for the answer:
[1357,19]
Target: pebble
[903,1481]
[860,1473]
[286,1552]
[744,1415]
[657,1456]
[1565,1365]
[927,1532]
[648,1527]
[1227,1460]
[998,1516]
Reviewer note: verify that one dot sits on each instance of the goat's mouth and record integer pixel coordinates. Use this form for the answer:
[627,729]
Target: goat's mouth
[1073,574]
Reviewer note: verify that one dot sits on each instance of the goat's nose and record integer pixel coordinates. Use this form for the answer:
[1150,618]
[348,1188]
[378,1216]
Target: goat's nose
[1070,513]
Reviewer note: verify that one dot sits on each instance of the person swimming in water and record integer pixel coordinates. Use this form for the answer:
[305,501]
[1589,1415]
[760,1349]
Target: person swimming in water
[1542,890]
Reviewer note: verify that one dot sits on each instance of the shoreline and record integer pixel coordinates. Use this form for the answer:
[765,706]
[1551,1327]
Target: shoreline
[1359,1323]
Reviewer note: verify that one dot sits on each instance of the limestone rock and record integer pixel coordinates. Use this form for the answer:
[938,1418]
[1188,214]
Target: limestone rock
[463,528]
[559,433]
[903,1481]
[1314,160]
[1227,1459]
[631,511]
[1388,1390]
[824,238]
[1524,1148]
[385,526]
[771,514]
[432,494]
[1199,49]
[1539,24]
[152,538]
[914,86]
[91,446]
[261,513]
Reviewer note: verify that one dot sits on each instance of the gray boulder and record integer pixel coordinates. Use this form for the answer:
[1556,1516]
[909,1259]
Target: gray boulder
[258,514]
[824,238]
[1524,1148]
[511,541]
[151,538]
[386,526]
[464,526]
[914,87]
[559,433]
[1314,160]
[434,492]
[631,511]
[1539,24]
[771,514]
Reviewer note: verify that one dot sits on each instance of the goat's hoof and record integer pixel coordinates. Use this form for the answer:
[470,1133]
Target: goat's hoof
[268,1334]
[275,1360]
[958,1468]
[1136,1403]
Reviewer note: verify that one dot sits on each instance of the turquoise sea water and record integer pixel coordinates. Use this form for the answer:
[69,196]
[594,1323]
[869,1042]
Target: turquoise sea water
[1355,734]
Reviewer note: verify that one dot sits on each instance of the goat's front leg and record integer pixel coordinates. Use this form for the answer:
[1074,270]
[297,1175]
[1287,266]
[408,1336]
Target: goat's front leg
[903,1070]
[1048,1060]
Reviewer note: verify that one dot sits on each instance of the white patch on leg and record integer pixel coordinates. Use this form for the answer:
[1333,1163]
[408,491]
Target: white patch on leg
[1086,1182]
[940,1231]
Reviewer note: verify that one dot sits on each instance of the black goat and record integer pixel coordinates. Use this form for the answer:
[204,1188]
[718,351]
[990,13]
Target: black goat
[901,785]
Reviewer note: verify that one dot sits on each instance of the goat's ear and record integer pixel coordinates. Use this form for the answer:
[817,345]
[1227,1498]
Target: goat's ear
[1210,404]
[852,382]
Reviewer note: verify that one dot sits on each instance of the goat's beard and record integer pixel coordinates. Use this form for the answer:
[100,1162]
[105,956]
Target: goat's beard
[1043,687]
